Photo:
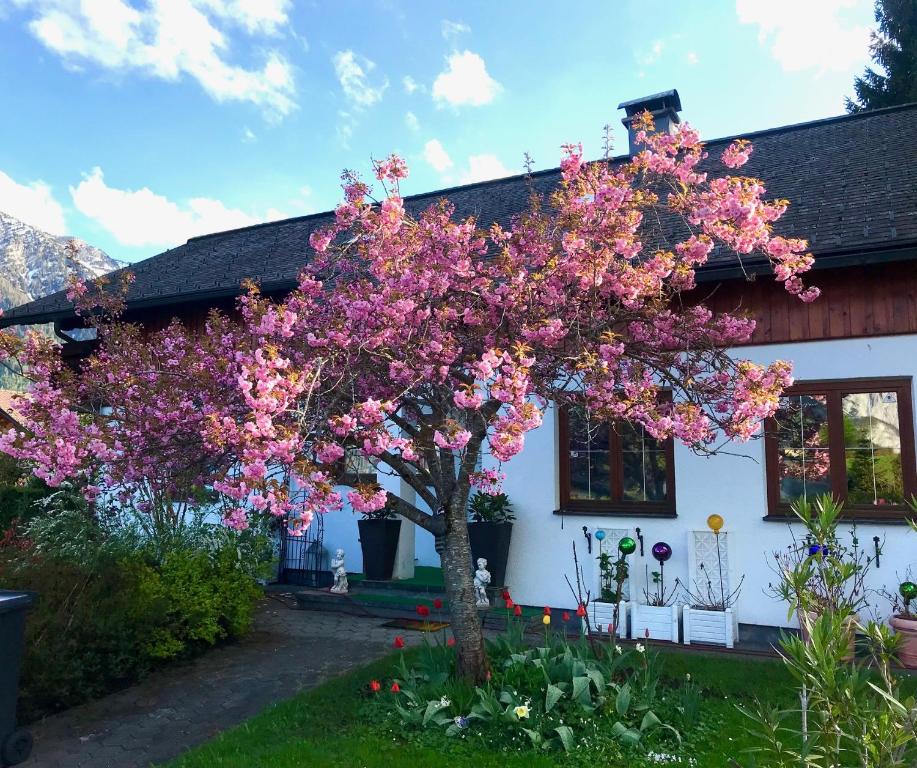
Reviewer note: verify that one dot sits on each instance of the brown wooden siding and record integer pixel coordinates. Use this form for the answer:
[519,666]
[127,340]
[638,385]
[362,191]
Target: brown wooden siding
[876,300]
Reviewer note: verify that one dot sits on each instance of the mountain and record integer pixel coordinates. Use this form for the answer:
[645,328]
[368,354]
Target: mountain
[34,263]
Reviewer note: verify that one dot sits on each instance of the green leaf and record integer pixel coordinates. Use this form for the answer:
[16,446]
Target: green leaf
[551,698]
[625,735]
[622,700]
[566,737]
[581,689]
[432,708]
[534,736]
[649,722]
[598,679]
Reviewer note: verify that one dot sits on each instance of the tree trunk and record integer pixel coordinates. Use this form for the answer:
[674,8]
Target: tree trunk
[455,553]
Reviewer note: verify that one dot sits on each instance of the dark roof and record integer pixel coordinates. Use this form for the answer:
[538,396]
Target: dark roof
[851,182]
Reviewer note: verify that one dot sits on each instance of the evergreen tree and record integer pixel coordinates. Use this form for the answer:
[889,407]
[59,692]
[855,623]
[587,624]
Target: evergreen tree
[894,49]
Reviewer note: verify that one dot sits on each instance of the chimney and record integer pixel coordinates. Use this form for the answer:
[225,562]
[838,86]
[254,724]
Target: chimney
[664,107]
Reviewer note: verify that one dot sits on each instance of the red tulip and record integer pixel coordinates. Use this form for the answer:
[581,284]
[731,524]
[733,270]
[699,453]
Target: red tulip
[508,603]
[437,603]
[399,642]
[611,630]
[646,633]
[581,610]
[517,611]
[423,610]
[547,611]
[450,642]
[375,686]
[505,594]
[396,688]
[565,616]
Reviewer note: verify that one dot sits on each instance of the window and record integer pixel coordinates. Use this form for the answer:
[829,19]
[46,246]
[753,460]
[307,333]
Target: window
[355,468]
[852,438]
[613,468]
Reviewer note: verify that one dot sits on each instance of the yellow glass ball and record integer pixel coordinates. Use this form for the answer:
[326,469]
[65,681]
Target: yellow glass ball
[715,523]
[546,620]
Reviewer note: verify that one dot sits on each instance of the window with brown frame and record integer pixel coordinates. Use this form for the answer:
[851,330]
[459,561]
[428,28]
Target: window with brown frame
[355,469]
[613,468]
[852,438]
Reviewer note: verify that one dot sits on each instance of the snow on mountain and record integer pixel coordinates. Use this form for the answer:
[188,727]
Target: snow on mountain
[34,263]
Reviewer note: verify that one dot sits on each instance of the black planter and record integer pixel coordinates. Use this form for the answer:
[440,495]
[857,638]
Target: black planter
[379,542]
[491,541]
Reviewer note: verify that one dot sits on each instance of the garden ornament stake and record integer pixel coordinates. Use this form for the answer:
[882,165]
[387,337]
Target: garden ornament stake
[715,523]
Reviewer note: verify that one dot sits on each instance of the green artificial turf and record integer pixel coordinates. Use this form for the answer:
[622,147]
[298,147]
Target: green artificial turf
[425,577]
[336,726]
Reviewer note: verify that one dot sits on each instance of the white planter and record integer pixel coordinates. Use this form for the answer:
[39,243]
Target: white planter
[661,621]
[714,627]
[602,614]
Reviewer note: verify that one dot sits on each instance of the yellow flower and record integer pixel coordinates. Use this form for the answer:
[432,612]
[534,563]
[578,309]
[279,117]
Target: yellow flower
[546,620]
[522,711]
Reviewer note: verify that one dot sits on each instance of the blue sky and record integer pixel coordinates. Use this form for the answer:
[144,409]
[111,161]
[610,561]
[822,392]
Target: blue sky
[134,125]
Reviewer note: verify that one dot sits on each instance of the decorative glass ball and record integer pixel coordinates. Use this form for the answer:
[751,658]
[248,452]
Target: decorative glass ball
[662,551]
[600,535]
[908,590]
[818,549]
[715,523]
[627,546]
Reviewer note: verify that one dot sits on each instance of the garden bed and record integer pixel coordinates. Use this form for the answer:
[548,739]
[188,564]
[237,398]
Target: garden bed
[342,724]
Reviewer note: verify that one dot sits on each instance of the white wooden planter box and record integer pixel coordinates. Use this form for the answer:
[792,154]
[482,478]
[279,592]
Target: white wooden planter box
[714,627]
[661,621]
[603,614]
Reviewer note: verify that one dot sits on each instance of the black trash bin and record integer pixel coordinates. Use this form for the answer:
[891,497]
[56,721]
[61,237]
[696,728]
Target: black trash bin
[15,744]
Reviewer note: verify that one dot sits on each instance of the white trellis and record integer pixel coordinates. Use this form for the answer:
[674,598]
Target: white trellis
[610,547]
[708,557]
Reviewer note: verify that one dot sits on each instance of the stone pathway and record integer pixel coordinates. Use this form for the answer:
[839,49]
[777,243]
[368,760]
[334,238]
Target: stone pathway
[187,704]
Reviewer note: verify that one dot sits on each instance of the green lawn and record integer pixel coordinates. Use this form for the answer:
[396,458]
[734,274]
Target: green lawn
[338,725]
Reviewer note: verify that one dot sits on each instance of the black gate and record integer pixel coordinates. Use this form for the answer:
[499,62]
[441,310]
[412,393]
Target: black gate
[302,558]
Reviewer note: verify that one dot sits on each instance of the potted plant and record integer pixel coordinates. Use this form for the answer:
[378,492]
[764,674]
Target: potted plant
[490,530]
[610,609]
[379,532]
[820,574]
[708,616]
[657,617]
[905,623]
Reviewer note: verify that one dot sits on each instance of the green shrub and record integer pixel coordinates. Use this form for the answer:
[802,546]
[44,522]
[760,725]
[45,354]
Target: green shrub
[112,604]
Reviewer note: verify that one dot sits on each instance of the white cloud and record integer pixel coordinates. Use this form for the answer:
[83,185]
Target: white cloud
[170,39]
[465,81]
[482,168]
[248,135]
[32,203]
[411,121]
[437,157]
[410,85]
[143,218]
[692,58]
[452,29]
[264,16]
[651,55]
[353,74]
[814,34]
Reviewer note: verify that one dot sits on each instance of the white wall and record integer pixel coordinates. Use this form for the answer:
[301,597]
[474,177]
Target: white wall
[732,486]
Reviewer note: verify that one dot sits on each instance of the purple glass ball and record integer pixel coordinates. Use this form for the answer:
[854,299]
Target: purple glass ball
[662,551]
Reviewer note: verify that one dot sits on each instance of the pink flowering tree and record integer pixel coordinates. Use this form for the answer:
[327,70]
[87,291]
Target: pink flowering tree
[430,344]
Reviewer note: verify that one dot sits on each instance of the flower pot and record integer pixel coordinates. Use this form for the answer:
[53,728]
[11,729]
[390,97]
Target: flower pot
[714,627]
[907,628]
[602,614]
[655,622]
[379,542]
[491,541]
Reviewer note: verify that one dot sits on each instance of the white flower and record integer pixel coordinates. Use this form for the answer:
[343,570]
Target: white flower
[639,648]
[522,711]
[619,649]
[444,702]
[688,676]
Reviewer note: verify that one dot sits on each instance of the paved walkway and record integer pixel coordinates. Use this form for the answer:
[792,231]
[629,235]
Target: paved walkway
[187,704]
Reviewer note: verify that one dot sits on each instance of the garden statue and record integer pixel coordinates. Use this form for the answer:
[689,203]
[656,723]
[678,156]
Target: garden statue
[340,573]
[481,581]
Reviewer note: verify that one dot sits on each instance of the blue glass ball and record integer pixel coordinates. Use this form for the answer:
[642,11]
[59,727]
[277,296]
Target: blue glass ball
[600,535]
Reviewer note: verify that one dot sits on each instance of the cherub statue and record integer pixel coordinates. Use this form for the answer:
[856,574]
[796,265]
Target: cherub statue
[340,586]
[481,581]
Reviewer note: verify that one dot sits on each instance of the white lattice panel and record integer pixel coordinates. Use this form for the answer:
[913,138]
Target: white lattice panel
[610,546]
[702,550]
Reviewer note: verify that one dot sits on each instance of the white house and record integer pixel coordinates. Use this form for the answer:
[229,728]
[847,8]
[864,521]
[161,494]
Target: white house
[847,426]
